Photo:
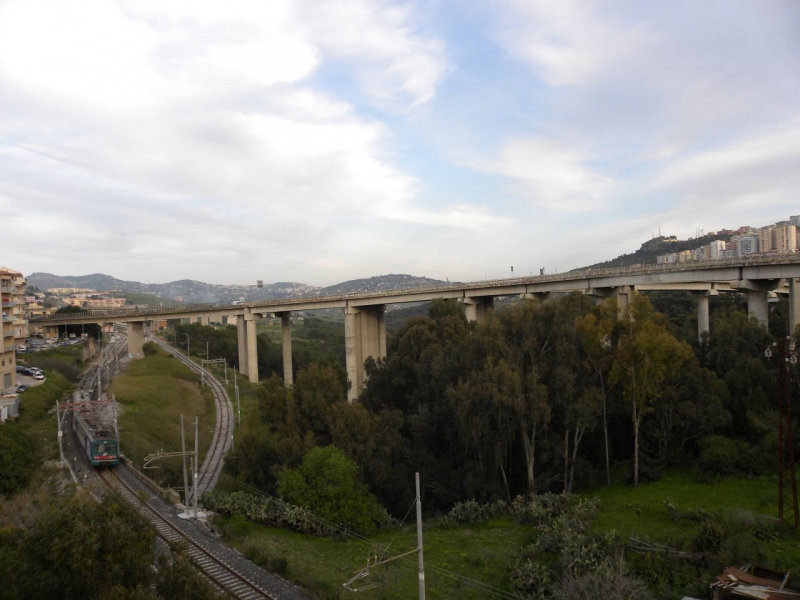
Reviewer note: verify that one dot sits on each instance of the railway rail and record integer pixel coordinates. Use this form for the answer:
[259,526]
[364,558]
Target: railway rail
[214,566]
[212,464]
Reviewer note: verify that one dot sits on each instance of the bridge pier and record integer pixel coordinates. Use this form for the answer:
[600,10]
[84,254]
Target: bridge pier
[476,308]
[286,345]
[242,346]
[794,304]
[136,338]
[622,294]
[703,319]
[364,336]
[757,291]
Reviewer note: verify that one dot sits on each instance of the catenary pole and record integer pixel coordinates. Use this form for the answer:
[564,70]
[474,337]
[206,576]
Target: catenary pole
[419,544]
[185,478]
[196,461]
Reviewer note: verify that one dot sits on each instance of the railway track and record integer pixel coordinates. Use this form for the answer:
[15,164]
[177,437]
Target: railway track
[223,432]
[214,566]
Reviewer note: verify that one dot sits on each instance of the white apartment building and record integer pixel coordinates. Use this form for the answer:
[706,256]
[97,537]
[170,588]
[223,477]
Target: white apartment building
[14,327]
[716,249]
[748,244]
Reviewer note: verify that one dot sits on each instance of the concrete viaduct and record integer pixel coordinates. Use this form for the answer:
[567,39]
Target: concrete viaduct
[365,328]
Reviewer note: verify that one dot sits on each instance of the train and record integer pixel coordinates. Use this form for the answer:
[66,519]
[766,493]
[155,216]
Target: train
[96,440]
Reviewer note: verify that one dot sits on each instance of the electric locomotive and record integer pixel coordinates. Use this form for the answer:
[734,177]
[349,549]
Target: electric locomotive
[97,441]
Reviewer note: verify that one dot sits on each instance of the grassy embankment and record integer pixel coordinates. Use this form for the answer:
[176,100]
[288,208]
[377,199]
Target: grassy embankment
[153,393]
[485,551]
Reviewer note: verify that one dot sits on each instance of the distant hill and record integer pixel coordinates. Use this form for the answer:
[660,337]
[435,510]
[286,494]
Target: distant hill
[188,290]
[185,290]
[648,252]
[381,283]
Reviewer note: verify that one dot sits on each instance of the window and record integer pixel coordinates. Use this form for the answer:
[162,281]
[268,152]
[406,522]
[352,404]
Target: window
[7,380]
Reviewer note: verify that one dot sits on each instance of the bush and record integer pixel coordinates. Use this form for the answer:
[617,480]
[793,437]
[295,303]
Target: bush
[150,349]
[470,511]
[614,583]
[709,537]
[722,456]
[326,483]
[266,511]
[531,580]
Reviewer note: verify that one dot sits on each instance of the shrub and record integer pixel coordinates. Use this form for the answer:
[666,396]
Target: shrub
[530,579]
[326,483]
[709,537]
[672,510]
[470,511]
[150,349]
[614,583]
[722,456]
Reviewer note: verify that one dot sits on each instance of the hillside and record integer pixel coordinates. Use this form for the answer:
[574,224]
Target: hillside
[381,283]
[648,251]
[189,290]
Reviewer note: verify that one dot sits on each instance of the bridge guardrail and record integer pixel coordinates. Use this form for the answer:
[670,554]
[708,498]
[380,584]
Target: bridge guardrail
[761,259]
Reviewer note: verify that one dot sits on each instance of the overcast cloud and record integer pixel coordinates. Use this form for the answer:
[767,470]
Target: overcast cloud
[318,141]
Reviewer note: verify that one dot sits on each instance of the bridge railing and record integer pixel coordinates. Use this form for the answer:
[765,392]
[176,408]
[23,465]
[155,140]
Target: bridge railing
[703,265]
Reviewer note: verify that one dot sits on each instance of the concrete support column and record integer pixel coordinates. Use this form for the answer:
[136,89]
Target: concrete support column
[623,294]
[757,306]
[538,296]
[364,336]
[241,330]
[477,308]
[286,338]
[794,305]
[352,350]
[136,338]
[703,320]
[252,348]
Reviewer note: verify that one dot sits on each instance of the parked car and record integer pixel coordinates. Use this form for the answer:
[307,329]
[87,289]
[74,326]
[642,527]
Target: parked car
[38,376]
[21,388]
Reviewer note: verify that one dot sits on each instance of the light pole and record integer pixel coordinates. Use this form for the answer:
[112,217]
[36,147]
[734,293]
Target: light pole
[786,349]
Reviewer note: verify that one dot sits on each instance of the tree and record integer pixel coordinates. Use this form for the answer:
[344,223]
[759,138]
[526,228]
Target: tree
[646,355]
[594,334]
[326,483]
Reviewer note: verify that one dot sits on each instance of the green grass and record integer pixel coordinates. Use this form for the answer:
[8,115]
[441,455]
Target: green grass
[486,551]
[153,393]
[481,552]
[733,501]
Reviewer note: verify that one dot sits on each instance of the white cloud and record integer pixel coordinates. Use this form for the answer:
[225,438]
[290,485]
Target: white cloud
[395,60]
[552,175]
[758,171]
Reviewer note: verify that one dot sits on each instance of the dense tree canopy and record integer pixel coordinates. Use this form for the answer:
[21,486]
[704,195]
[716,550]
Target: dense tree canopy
[541,396]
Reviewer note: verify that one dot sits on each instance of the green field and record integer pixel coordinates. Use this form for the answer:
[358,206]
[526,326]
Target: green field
[153,393]
[481,552]
[486,551]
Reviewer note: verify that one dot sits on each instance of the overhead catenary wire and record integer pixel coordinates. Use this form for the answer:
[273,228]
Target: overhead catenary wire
[463,579]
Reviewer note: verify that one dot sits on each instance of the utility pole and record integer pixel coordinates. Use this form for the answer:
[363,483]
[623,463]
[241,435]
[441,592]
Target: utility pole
[60,433]
[196,461]
[419,544]
[787,482]
[185,479]
[236,387]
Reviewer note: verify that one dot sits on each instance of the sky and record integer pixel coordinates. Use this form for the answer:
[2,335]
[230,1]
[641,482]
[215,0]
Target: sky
[319,141]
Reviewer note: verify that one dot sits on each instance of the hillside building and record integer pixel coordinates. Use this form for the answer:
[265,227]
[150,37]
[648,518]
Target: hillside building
[716,248]
[747,244]
[785,238]
[14,326]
